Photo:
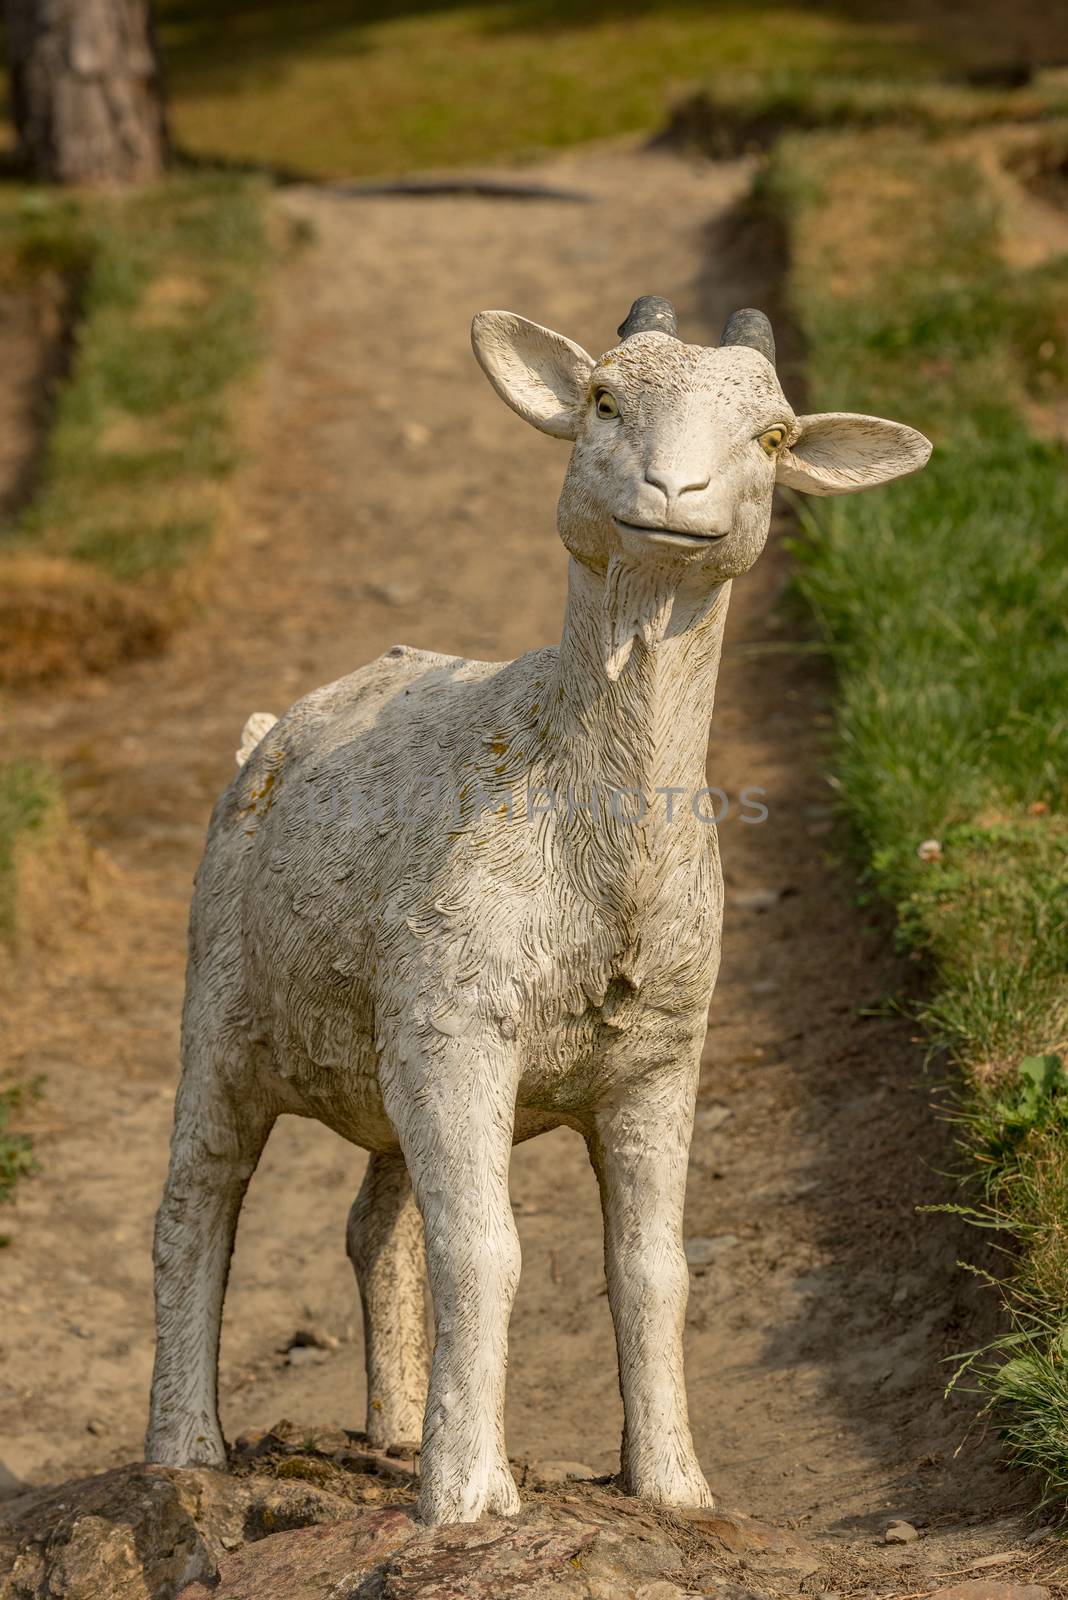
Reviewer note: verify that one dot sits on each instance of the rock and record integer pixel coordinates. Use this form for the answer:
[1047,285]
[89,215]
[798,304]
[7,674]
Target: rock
[548,1474]
[313,1339]
[702,1251]
[709,1118]
[754,899]
[306,1355]
[562,1548]
[576,1545]
[141,1533]
[900,1533]
[393,593]
[97,1427]
[308,1563]
[293,1521]
[765,1551]
[991,1589]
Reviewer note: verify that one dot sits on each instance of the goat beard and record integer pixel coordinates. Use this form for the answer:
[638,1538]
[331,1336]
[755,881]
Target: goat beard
[637,604]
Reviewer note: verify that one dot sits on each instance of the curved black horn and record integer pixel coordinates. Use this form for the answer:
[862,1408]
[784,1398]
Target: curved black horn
[650,314]
[752,328]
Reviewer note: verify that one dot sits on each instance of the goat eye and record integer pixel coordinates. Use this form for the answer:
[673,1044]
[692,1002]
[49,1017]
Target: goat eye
[606,404]
[771,440]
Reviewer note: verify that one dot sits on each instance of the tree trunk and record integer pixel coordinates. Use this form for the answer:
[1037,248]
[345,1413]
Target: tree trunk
[85,88]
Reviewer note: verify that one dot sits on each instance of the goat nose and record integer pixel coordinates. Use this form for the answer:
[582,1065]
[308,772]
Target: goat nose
[673,484]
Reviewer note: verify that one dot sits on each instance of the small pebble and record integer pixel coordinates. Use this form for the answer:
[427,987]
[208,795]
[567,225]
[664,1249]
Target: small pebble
[709,1118]
[395,593]
[701,1252]
[312,1339]
[754,899]
[415,434]
[305,1355]
[900,1533]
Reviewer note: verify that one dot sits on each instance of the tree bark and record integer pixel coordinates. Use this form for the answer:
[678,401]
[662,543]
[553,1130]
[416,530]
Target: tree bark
[86,89]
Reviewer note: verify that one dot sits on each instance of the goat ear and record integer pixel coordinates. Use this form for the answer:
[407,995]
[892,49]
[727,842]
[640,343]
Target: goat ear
[540,374]
[839,453]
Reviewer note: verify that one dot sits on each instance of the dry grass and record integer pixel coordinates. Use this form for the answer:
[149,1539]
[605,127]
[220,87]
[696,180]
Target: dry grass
[143,432]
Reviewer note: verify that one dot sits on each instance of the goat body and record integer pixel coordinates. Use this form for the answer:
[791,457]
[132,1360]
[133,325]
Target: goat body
[447,905]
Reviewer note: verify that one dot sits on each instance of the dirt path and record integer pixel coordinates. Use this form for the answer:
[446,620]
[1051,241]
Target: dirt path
[394,498]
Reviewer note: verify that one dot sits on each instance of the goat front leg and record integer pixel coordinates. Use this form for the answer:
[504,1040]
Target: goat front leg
[639,1146]
[385,1246]
[452,1102]
[217,1141]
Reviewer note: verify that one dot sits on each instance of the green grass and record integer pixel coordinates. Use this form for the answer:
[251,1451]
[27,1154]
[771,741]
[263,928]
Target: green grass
[29,803]
[317,87]
[16,1149]
[736,112]
[166,284]
[943,601]
[323,88]
[29,797]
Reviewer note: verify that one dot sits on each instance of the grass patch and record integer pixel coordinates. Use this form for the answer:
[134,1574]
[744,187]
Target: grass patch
[736,113]
[318,88]
[16,1149]
[943,601]
[29,797]
[167,285]
[312,86]
[322,88]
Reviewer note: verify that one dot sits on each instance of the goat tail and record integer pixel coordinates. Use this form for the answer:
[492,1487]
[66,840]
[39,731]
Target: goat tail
[259,724]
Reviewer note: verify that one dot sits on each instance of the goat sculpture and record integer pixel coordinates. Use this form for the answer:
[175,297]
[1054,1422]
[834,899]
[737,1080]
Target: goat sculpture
[531,950]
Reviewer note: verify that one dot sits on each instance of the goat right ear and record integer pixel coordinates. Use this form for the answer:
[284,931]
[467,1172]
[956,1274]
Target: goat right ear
[540,374]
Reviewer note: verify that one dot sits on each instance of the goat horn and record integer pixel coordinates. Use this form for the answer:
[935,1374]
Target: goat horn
[650,314]
[752,328]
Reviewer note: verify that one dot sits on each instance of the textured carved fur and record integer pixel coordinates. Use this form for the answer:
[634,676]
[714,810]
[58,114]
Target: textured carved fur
[439,988]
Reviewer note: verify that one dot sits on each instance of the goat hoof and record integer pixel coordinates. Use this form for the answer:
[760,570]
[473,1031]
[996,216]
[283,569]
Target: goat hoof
[495,1495]
[685,1489]
[187,1449]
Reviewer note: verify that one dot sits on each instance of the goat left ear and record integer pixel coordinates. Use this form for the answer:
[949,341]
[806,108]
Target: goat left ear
[839,453]
[540,374]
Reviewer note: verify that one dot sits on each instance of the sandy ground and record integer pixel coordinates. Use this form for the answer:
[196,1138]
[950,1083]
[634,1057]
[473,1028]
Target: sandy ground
[391,497]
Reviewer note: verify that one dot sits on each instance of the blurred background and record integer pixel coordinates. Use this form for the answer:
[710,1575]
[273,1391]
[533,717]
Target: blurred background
[243,449]
[326,89]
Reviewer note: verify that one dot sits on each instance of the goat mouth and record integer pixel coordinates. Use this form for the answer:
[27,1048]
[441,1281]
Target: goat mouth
[658,533]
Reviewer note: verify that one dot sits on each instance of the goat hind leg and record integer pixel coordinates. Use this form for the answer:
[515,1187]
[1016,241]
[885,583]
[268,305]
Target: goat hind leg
[214,1150]
[385,1245]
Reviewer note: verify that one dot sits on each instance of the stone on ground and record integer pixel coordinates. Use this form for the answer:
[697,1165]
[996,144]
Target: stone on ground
[311,1513]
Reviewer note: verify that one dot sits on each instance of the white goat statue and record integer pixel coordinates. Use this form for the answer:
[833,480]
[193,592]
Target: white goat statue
[535,948]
